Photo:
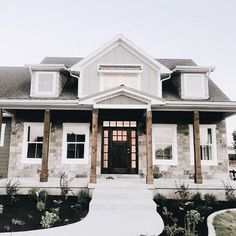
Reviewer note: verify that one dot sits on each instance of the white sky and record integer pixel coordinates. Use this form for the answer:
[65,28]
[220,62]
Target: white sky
[204,30]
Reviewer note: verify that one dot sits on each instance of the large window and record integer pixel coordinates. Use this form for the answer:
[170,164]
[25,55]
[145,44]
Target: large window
[45,83]
[165,144]
[75,142]
[33,142]
[207,143]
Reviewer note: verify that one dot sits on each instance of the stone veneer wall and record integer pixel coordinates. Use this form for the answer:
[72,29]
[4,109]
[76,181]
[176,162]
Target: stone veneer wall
[18,169]
[184,170]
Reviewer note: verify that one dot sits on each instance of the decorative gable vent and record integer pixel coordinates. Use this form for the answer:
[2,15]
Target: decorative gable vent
[112,75]
[194,86]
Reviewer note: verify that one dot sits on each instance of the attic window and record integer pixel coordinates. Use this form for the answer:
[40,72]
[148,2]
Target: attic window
[45,83]
[113,75]
[194,86]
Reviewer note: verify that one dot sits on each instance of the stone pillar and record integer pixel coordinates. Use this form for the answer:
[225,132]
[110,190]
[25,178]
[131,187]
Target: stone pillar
[197,148]
[93,176]
[45,151]
[149,176]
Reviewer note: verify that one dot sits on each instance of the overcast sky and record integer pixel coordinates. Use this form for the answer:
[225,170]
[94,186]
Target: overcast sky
[204,30]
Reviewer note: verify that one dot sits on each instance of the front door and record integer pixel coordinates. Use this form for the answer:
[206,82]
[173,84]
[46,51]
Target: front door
[119,154]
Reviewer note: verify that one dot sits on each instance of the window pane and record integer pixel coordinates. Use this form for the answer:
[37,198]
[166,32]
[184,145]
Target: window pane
[105,123]
[164,135]
[80,151]
[206,152]
[39,148]
[163,152]
[31,150]
[71,137]
[45,82]
[71,151]
[80,138]
[35,133]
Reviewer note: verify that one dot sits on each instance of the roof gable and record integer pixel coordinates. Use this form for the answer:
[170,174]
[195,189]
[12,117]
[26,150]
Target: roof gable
[121,40]
[121,95]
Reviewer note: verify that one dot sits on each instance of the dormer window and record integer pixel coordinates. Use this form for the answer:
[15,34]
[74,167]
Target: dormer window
[115,75]
[45,83]
[194,86]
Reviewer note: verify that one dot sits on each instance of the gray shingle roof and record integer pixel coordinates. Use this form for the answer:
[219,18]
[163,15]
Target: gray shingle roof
[15,81]
[172,63]
[70,61]
[67,61]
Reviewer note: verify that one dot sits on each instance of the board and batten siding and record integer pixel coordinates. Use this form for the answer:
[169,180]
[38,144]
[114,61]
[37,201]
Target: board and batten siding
[121,99]
[4,150]
[119,55]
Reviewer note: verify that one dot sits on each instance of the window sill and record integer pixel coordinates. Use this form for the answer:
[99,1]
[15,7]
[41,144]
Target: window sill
[165,162]
[75,161]
[32,161]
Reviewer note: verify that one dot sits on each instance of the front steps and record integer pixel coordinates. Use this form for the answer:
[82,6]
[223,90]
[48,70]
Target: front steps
[125,207]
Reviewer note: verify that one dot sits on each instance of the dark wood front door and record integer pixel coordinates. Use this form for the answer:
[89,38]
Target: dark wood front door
[119,152]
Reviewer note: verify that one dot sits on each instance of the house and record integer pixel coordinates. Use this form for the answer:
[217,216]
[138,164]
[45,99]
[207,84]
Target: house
[117,111]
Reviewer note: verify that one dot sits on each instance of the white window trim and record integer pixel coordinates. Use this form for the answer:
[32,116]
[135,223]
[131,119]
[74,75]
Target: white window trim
[2,134]
[212,162]
[83,129]
[185,95]
[50,93]
[26,160]
[102,72]
[174,161]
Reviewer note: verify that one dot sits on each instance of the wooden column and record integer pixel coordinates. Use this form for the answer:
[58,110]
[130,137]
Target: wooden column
[197,148]
[93,176]
[0,123]
[149,176]
[44,166]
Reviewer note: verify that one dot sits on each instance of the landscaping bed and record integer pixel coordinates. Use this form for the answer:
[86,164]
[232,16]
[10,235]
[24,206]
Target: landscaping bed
[39,210]
[187,216]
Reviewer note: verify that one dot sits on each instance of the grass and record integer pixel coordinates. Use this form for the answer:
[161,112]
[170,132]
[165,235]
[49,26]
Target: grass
[224,223]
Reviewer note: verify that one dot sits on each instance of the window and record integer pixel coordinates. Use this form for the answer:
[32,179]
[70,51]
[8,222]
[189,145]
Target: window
[45,83]
[2,135]
[207,143]
[165,144]
[33,142]
[75,143]
[115,75]
[195,86]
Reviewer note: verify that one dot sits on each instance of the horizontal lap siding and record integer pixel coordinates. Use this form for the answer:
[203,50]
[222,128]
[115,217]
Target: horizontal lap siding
[4,151]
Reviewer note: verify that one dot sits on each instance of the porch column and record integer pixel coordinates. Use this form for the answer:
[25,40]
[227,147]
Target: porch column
[44,165]
[149,176]
[0,123]
[93,177]
[197,148]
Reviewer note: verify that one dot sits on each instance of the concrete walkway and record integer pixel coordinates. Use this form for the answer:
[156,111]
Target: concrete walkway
[118,208]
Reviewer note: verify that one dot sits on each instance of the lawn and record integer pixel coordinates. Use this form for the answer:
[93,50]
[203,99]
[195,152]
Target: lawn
[224,223]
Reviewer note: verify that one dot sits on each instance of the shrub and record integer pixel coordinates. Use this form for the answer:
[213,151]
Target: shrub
[33,192]
[83,200]
[229,192]
[65,185]
[192,218]
[197,198]
[49,219]
[182,192]
[12,187]
[160,199]
[40,205]
[210,200]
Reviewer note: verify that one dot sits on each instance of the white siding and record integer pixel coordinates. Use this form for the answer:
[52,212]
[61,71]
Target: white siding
[118,55]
